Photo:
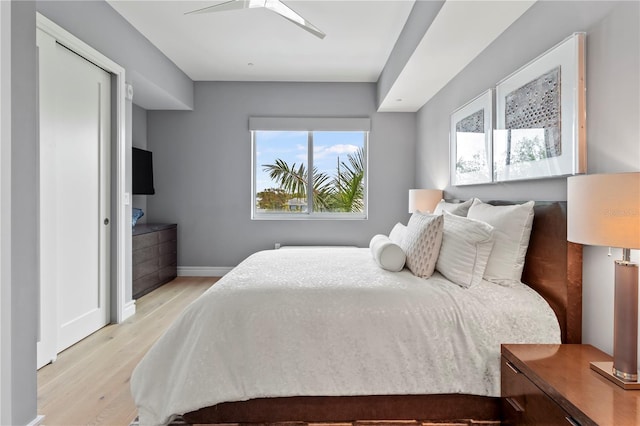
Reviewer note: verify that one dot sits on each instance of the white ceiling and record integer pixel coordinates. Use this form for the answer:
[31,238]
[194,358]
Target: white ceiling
[258,45]
[220,46]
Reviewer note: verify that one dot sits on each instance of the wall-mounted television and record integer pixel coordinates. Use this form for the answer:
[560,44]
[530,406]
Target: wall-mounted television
[142,171]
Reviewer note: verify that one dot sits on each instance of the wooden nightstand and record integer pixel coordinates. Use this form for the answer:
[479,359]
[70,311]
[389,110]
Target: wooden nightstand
[553,384]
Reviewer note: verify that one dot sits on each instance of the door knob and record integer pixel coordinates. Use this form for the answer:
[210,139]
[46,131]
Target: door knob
[106,221]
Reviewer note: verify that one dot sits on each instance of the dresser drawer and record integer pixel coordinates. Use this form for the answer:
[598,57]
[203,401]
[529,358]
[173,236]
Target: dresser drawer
[523,403]
[166,260]
[144,254]
[168,235]
[145,268]
[146,283]
[167,273]
[168,247]
[144,240]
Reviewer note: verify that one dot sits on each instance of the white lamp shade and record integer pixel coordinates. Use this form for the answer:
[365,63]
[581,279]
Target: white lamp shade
[604,210]
[424,200]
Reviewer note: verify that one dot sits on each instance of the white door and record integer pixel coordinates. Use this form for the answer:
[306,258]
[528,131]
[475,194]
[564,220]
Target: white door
[75,135]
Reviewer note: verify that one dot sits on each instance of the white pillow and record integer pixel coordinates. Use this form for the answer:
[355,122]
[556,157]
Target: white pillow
[387,254]
[465,250]
[459,209]
[512,228]
[422,243]
[397,233]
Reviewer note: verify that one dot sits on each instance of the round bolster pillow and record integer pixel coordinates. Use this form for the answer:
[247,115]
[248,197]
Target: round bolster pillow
[386,253]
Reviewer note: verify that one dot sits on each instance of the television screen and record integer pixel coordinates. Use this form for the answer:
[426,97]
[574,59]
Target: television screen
[142,171]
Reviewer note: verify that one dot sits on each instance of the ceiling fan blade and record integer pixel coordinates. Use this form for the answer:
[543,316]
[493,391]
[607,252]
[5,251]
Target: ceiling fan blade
[228,5]
[286,12]
[273,5]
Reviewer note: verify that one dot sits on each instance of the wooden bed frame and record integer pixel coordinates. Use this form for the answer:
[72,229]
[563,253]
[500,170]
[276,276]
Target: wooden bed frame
[553,268]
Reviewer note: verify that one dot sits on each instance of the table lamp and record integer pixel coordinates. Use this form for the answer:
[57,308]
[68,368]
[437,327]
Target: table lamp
[424,200]
[604,210]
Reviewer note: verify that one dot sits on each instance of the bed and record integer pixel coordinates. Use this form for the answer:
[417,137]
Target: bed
[339,350]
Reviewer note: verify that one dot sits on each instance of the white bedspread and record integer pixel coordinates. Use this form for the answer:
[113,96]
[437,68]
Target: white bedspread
[329,321]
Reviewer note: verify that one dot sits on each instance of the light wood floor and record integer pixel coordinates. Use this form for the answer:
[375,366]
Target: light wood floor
[89,382]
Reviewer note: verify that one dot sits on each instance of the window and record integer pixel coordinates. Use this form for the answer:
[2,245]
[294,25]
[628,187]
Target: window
[283,188]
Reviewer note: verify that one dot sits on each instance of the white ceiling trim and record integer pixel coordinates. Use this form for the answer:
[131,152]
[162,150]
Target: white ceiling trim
[458,34]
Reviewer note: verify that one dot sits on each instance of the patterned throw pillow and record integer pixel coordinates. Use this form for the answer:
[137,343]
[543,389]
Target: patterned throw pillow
[422,243]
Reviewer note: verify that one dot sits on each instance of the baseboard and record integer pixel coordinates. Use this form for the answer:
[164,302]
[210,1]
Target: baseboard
[203,271]
[37,421]
[129,309]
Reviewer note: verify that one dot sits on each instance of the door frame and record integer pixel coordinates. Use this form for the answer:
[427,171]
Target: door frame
[121,232]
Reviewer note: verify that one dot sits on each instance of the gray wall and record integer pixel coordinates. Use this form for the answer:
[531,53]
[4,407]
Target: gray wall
[24,265]
[5,212]
[613,119]
[519,44]
[139,140]
[203,168]
[158,82]
[139,127]
[613,122]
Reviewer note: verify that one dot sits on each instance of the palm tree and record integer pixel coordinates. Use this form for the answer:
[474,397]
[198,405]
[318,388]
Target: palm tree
[344,192]
[349,183]
[290,179]
[294,181]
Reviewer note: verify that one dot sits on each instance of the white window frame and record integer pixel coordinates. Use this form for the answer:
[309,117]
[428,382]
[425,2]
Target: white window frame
[309,125]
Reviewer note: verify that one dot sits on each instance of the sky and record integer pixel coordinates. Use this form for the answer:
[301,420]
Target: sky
[292,148]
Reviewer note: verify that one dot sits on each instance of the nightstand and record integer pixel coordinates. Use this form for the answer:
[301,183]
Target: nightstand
[554,384]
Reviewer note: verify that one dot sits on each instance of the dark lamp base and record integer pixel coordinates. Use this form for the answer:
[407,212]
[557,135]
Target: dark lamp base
[606,370]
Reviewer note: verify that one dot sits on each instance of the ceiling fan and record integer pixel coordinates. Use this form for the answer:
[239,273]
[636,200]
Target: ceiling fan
[273,5]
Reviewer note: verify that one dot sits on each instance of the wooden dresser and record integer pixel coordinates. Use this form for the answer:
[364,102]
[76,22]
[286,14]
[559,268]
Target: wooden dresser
[155,256]
[554,385]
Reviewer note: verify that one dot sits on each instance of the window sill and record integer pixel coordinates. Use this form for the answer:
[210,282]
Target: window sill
[316,216]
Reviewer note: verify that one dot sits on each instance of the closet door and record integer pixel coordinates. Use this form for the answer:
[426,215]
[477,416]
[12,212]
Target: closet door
[75,136]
